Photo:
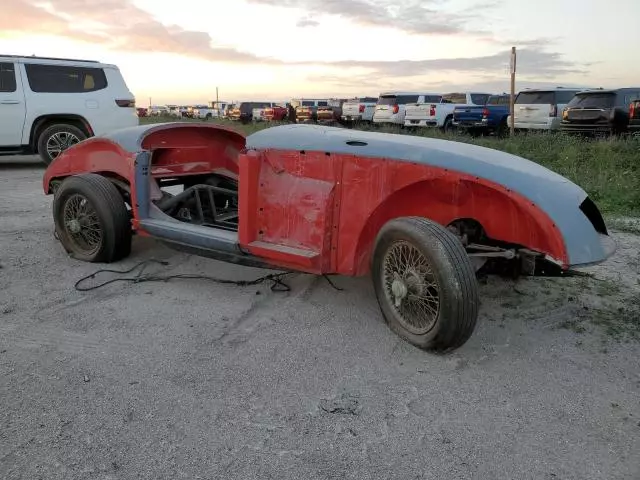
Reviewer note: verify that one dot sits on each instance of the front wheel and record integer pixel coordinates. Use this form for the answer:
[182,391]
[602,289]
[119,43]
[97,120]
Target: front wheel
[425,284]
[91,219]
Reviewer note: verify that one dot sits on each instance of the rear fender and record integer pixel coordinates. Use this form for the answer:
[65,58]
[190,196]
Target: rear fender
[504,215]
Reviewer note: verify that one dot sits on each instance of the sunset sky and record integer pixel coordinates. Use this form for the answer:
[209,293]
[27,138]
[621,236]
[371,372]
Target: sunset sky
[179,51]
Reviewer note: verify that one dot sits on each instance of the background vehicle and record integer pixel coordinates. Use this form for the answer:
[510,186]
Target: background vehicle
[430,113]
[275,113]
[174,111]
[634,116]
[158,111]
[486,119]
[49,104]
[307,110]
[213,110]
[142,112]
[332,113]
[421,249]
[600,111]
[259,113]
[541,109]
[391,106]
[244,111]
[358,110]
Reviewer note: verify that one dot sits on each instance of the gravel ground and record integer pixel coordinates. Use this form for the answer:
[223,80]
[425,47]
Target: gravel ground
[195,380]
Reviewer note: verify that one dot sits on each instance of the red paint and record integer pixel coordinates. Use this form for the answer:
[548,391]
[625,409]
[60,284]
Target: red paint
[319,212]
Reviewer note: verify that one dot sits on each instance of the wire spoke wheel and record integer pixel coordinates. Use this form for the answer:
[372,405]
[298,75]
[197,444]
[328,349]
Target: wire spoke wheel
[59,142]
[81,224]
[411,287]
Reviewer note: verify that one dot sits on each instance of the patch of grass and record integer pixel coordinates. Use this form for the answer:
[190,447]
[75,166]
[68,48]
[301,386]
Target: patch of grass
[607,169]
[621,322]
[624,225]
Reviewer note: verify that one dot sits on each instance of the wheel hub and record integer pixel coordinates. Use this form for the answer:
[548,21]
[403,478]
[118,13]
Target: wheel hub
[399,289]
[74,226]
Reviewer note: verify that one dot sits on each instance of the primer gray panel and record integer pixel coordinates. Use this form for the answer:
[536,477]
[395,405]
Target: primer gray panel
[554,194]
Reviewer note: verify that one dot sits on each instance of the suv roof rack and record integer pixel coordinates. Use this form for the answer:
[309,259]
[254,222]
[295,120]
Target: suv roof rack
[49,58]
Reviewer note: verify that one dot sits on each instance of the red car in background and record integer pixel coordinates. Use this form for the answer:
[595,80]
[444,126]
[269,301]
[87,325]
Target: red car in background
[276,113]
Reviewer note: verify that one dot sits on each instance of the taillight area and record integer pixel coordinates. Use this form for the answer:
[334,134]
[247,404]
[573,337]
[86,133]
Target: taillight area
[553,112]
[396,108]
[432,111]
[126,103]
[485,113]
[632,110]
[361,109]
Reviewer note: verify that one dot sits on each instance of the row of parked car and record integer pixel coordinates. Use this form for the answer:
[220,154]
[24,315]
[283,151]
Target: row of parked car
[597,110]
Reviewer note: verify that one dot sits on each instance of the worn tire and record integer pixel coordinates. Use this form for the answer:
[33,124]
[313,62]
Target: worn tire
[113,218]
[454,275]
[49,132]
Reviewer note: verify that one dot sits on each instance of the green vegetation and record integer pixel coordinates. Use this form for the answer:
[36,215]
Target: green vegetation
[607,169]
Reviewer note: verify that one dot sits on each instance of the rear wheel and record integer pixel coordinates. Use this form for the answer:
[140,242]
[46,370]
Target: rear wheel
[425,284]
[55,139]
[448,126]
[91,219]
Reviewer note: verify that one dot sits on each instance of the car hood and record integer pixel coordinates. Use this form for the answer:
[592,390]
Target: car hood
[557,196]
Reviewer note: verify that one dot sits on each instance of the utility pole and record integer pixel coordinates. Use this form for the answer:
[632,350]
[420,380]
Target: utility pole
[218,104]
[149,102]
[513,92]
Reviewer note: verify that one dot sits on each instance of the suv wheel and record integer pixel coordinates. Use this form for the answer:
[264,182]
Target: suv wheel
[56,139]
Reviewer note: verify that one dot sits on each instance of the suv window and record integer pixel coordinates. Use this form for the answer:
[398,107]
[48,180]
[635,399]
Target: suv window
[367,100]
[323,104]
[64,79]
[479,98]
[454,98]
[498,100]
[565,96]
[630,97]
[593,100]
[536,98]
[307,103]
[7,77]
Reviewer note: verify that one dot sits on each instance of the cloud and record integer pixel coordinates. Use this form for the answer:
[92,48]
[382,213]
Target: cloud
[117,24]
[307,22]
[412,16]
[530,61]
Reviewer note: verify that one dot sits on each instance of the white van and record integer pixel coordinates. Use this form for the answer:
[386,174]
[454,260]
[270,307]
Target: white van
[391,106]
[541,109]
[49,104]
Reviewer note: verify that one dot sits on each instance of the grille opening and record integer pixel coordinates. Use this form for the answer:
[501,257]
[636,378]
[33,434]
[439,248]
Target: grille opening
[593,214]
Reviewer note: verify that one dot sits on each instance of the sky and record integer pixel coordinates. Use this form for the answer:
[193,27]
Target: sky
[178,52]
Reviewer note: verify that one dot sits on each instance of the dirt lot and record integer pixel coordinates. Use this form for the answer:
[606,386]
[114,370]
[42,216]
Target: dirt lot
[195,380]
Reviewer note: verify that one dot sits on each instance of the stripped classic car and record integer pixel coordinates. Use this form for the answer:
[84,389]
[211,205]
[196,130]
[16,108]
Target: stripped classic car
[421,216]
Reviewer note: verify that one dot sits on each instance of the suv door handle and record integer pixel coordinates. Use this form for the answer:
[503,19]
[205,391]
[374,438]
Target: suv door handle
[10,102]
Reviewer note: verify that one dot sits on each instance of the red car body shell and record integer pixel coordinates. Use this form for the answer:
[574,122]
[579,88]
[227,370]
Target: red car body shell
[318,212]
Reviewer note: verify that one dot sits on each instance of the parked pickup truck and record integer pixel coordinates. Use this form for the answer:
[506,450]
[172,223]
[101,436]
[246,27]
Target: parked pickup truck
[276,113]
[332,113]
[440,114]
[490,118]
[213,110]
[358,110]
[307,111]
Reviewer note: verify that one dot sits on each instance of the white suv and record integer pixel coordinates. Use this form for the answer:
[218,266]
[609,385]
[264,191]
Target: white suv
[391,106]
[49,104]
[541,109]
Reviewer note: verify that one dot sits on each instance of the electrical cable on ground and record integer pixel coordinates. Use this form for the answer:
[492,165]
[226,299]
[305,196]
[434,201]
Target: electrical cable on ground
[276,278]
